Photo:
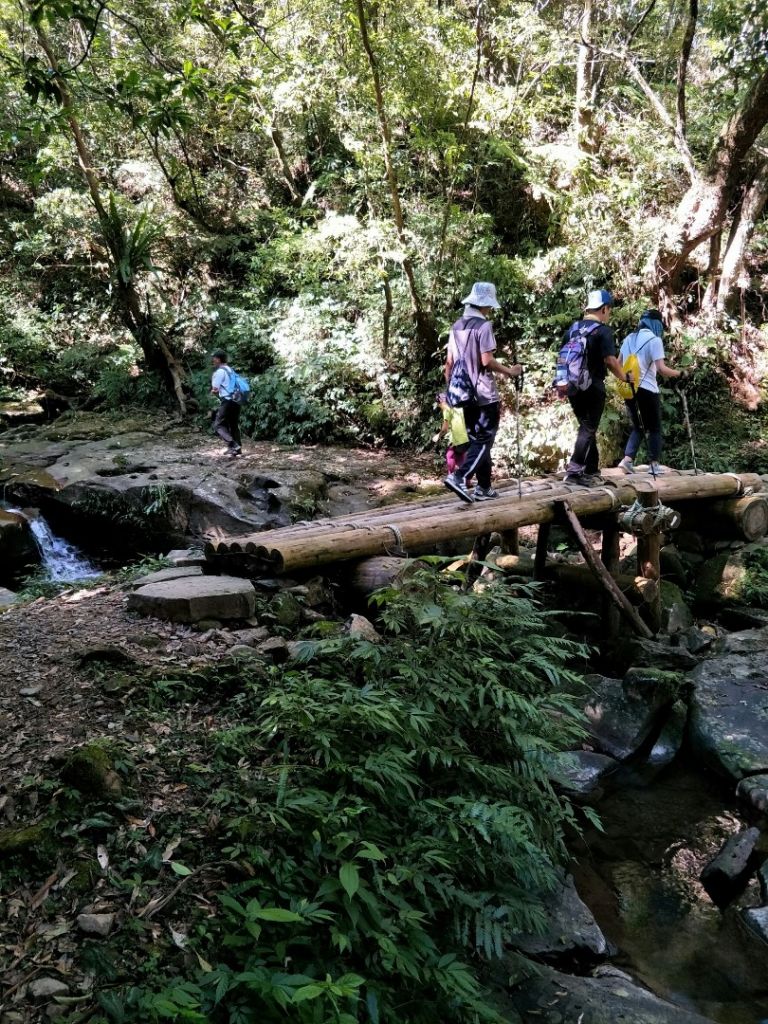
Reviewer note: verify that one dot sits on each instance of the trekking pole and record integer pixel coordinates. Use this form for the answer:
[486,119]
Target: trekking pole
[518,384]
[518,442]
[687,421]
[640,423]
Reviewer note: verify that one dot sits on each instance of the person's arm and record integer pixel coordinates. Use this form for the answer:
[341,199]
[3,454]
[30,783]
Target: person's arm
[666,371]
[448,366]
[616,368]
[491,363]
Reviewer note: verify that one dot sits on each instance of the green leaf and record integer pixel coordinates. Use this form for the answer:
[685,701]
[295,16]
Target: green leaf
[349,877]
[301,995]
[180,869]
[277,914]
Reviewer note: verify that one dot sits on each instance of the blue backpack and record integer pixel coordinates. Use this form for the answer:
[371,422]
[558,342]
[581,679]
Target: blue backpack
[572,371]
[241,389]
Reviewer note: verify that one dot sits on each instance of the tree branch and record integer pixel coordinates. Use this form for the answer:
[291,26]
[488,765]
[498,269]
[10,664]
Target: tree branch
[682,66]
[681,143]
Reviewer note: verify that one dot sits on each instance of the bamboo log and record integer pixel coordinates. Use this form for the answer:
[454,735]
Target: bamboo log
[593,561]
[285,550]
[580,577]
[742,518]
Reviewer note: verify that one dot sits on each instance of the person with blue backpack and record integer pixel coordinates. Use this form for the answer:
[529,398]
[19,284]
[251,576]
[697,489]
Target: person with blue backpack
[232,391]
[587,353]
[469,370]
[643,351]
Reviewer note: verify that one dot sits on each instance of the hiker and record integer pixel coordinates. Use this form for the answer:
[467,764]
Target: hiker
[469,371]
[644,408]
[587,353]
[226,422]
[454,425]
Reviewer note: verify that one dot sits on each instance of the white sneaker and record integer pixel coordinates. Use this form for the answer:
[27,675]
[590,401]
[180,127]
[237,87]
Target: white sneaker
[627,465]
[657,469]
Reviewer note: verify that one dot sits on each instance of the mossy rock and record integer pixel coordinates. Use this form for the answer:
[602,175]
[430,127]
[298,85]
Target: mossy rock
[89,770]
[22,840]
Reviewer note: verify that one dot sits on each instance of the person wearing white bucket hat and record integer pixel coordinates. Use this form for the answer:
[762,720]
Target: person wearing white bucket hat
[469,370]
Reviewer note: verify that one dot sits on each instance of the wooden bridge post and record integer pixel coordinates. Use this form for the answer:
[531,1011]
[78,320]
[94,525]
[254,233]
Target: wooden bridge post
[649,560]
[510,542]
[611,554]
[595,564]
[542,546]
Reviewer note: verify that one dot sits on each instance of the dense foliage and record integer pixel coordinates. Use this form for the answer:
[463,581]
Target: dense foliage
[315,185]
[366,827]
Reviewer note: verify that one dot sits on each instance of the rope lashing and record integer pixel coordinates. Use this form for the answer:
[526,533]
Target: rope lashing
[740,489]
[399,549]
[644,519]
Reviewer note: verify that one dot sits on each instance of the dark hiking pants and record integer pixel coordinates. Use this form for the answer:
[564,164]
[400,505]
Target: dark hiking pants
[227,422]
[588,408]
[647,424]
[482,423]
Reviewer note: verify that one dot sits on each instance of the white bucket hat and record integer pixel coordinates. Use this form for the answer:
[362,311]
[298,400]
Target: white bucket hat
[483,294]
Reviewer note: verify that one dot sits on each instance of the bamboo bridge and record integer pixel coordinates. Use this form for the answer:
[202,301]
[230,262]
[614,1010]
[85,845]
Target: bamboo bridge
[728,504]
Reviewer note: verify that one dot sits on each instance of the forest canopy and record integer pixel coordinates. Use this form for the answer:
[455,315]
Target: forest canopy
[314,185]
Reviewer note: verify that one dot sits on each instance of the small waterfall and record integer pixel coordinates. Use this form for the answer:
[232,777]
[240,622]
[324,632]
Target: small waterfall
[61,561]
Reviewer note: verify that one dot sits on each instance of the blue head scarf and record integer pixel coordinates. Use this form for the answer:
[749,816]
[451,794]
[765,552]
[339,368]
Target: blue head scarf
[651,321]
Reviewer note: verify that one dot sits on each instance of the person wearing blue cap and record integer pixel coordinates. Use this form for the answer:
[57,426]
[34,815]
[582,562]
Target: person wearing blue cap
[587,398]
[647,346]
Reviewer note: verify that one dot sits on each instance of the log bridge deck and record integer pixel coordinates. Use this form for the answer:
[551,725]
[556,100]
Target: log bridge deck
[728,501]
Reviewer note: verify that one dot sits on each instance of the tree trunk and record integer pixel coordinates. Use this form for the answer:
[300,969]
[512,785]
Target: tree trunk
[585,84]
[426,333]
[703,209]
[752,206]
[153,345]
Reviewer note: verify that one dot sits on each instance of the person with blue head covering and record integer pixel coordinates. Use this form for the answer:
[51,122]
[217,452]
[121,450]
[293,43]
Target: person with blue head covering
[644,409]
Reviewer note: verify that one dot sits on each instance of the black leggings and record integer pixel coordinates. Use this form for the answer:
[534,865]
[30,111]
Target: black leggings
[588,407]
[649,405]
[482,423]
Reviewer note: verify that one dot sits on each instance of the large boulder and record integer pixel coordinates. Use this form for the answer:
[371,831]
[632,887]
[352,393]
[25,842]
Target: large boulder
[728,724]
[18,549]
[194,598]
[622,714]
[727,578]
[570,931]
[556,998]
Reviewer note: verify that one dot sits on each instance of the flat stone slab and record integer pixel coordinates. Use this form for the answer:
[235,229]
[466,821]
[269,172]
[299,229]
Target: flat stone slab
[556,998]
[7,598]
[728,726]
[193,598]
[171,573]
[570,929]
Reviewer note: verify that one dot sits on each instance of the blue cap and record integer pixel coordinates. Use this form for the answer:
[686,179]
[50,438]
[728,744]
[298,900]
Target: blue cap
[599,298]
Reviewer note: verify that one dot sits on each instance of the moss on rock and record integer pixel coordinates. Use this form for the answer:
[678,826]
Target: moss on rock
[89,769]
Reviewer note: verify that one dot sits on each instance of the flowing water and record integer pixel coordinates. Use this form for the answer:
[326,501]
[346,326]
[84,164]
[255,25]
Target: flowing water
[61,561]
[640,879]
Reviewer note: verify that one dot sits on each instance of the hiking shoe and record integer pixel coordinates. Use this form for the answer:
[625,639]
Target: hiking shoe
[574,478]
[484,493]
[594,480]
[627,464]
[453,483]
[657,470]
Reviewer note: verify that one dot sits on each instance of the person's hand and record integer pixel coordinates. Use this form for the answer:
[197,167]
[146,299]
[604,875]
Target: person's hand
[516,370]
[436,437]
[682,379]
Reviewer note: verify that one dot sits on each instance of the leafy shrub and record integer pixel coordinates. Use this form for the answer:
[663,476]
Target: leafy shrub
[400,825]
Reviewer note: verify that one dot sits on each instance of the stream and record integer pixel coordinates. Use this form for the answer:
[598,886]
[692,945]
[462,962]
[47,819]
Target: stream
[640,880]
